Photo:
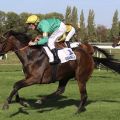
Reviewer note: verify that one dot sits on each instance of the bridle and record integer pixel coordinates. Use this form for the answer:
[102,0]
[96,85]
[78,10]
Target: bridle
[4,42]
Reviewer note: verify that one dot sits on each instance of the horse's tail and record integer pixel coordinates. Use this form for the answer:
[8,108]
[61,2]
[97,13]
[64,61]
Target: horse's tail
[107,55]
[112,64]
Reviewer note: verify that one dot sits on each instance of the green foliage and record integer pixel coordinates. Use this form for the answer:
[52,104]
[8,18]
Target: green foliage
[115,25]
[23,18]
[68,15]
[74,17]
[91,26]
[101,33]
[14,21]
[2,21]
[82,26]
[55,15]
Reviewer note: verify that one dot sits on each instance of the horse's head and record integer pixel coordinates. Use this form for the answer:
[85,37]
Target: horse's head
[116,41]
[11,41]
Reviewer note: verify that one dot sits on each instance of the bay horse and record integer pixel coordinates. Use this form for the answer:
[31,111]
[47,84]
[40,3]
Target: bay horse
[37,69]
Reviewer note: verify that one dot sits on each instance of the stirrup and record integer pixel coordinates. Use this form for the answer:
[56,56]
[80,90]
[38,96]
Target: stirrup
[56,60]
[68,44]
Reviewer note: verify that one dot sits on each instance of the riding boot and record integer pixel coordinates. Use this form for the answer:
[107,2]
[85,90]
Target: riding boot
[67,43]
[56,58]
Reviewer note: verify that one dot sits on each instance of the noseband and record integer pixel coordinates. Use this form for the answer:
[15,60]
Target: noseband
[4,42]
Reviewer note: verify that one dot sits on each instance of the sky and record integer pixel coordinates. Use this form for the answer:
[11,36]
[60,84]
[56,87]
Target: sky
[104,9]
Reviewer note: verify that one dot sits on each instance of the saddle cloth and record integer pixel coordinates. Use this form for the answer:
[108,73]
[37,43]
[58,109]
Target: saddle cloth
[64,54]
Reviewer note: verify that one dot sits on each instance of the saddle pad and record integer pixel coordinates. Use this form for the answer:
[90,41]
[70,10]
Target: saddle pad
[74,44]
[64,54]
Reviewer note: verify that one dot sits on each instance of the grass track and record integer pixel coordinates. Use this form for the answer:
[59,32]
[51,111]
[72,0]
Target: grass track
[103,98]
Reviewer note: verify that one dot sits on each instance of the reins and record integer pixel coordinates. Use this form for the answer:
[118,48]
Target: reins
[23,48]
[4,41]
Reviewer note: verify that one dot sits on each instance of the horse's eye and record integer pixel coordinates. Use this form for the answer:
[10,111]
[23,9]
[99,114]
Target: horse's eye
[2,39]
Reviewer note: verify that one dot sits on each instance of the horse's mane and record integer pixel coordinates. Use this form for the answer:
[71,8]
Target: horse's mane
[22,37]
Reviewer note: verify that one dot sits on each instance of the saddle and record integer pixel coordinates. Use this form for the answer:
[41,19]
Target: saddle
[65,54]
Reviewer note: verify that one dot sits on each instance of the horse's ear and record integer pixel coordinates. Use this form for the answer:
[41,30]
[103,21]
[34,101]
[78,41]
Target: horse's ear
[11,32]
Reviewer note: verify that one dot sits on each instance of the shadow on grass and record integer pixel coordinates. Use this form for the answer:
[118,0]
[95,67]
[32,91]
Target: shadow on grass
[21,110]
[101,76]
[58,102]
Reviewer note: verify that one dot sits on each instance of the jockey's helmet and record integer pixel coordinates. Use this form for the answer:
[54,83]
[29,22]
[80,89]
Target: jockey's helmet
[32,19]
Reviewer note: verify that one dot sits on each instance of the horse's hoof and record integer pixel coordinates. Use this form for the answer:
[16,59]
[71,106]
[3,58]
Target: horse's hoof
[82,109]
[39,102]
[5,107]
[23,103]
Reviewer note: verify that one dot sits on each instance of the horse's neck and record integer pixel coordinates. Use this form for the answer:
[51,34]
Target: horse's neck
[28,54]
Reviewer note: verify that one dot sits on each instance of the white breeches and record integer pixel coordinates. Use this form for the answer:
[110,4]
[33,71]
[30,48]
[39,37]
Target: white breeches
[55,35]
[70,34]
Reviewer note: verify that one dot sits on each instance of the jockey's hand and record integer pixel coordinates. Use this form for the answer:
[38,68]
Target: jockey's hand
[31,43]
[36,39]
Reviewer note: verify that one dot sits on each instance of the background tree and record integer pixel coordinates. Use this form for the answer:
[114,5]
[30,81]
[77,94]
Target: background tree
[2,22]
[55,15]
[82,27]
[12,20]
[91,26]
[74,17]
[68,15]
[23,17]
[115,25]
[119,27]
[101,33]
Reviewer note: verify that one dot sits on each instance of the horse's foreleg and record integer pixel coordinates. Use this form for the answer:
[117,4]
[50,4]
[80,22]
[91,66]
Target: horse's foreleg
[17,86]
[60,90]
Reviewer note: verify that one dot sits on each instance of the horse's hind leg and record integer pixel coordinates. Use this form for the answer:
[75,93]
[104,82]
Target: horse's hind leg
[20,100]
[60,90]
[61,87]
[82,79]
[83,92]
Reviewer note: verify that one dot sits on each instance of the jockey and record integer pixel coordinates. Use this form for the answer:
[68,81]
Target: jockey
[70,31]
[52,26]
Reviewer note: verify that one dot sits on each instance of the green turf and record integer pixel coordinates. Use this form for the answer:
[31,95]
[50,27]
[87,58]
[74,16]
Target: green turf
[103,98]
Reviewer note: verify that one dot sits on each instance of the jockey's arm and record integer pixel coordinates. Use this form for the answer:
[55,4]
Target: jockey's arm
[43,40]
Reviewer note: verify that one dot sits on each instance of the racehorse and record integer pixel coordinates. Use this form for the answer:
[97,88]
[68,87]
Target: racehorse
[38,70]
